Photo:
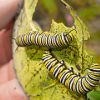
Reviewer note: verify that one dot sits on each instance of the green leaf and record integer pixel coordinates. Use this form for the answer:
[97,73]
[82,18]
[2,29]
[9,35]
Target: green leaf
[93,95]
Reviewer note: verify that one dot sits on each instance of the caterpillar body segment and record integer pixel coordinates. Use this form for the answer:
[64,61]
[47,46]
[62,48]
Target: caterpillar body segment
[62,40]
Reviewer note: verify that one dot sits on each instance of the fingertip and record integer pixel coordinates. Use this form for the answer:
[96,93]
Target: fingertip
[8,9]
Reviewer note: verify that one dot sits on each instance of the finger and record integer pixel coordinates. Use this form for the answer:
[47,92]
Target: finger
[11,71]
[5,46]
[3,74]
[6,72]
[8,9]
[12,91]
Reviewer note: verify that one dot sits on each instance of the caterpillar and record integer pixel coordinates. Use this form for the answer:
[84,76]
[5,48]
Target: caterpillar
[75,82]
[35,38]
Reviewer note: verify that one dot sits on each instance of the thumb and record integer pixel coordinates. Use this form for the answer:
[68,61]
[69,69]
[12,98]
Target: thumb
[8,9]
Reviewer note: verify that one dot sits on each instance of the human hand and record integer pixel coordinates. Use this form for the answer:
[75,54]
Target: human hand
[9,87]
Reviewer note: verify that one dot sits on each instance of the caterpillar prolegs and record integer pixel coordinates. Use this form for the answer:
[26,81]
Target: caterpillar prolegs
[75,82]
[47,40]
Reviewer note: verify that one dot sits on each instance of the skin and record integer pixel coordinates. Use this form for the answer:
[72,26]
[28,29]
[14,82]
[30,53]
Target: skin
[9,86]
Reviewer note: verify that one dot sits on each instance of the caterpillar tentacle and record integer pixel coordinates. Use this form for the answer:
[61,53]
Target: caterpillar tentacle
[41,39]
[68,77]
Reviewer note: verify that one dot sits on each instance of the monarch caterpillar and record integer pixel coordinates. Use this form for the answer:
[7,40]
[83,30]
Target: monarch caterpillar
[35,38]
[75,82]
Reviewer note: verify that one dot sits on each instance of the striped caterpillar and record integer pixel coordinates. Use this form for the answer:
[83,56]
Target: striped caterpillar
[74,82]
[35,38]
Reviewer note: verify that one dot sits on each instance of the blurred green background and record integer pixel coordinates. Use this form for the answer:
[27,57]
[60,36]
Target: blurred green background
[87,10]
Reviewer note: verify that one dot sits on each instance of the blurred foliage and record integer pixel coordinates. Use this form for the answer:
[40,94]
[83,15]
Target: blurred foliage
[80,3]
[95,36]
[89,13]
[52,8]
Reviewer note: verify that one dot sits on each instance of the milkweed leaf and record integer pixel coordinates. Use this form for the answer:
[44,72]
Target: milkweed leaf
[94,95]
[31,72]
